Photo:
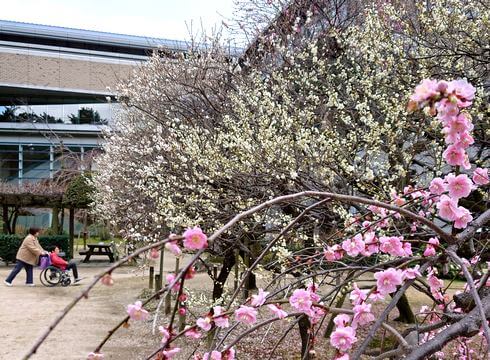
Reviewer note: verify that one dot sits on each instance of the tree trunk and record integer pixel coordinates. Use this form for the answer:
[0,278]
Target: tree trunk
[219,283]
[62,222]
[406,314]
[14,221]
[304,333]
[55,221]
[71,231]
[5,219]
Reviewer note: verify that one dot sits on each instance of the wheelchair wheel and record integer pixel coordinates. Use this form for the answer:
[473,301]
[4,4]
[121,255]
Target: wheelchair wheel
[51,276]
[65,280]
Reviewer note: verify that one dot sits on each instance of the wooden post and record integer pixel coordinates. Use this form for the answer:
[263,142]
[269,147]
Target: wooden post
[71,231]
[85,229]
[157,282]
[168,302]
[215,272]
[152,274]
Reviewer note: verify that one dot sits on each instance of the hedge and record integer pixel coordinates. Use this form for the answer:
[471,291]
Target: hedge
[9,244]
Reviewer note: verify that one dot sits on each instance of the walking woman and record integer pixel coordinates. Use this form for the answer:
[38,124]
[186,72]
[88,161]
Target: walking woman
[27,257]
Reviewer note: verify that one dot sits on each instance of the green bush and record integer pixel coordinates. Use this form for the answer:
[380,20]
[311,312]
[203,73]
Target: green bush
[62,241]
[9,244]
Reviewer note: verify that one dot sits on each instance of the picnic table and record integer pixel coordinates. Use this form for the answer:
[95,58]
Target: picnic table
[98,249]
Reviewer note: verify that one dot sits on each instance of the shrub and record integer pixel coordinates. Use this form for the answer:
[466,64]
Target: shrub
[9,244]
[62,241]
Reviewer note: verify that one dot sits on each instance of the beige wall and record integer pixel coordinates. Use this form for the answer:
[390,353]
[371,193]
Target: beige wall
[59,72]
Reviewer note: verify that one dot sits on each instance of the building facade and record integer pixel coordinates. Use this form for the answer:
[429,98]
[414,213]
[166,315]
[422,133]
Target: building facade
[57,94]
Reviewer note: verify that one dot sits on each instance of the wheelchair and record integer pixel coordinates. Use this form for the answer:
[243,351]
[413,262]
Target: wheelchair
[53,276]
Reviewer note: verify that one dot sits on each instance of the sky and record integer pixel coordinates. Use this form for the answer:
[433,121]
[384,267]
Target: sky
[169,19]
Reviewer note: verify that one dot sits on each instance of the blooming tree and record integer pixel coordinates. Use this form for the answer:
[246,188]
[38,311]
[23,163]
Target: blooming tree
[205,137]
[402,260]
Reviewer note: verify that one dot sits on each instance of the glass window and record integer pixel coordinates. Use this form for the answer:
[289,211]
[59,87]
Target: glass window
[9,162]
[36,162]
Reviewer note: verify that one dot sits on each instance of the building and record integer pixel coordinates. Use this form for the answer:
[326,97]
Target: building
[56,93]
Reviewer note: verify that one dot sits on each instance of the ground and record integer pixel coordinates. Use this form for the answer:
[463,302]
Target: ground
[26,312]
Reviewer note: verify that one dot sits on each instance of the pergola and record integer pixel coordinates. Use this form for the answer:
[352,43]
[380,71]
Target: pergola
[32,200]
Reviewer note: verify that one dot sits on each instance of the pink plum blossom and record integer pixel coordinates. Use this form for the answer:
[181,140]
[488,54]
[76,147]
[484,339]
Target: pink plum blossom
[446,110]
[107,280]
[434,241]
[259,299]
[192,332]
[204,323]
[362,315]
[437,186]
[214,355]
[376,296]
[342,320]
[229,354]
[448,208]
[407,248]
[371,243]
[411,273]
[342,357]
[190,273]
[459,124]
[173,248]
[429,251]
[195,239]
[95,356]
[154,253]
[316,314]
[331,253]
[170,279]
[388,280]
[301,300]
[246,314]
[220,320]
[276,310]
[313,295]
[165,334]
[463,140]
[343,338]
[458,186]
[455,155]
[480,176]
[434,283]
[357,296]
[424,91]
[136,311]
[170,353]
[353,247]
[463,91]
[464,217]
[399,201]
[391,245]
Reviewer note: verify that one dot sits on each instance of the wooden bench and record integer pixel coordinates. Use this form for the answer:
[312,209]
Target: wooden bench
[99,249]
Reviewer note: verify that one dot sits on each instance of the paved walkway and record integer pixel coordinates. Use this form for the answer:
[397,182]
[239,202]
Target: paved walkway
[26,311]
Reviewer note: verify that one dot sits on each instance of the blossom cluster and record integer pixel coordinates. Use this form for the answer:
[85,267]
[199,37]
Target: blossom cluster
[446,100]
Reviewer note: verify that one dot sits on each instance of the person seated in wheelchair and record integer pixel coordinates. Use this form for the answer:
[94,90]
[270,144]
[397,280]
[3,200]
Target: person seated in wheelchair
[62,264]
